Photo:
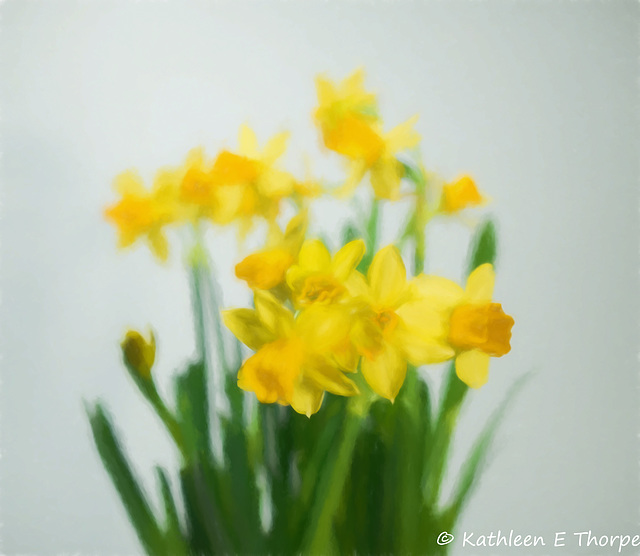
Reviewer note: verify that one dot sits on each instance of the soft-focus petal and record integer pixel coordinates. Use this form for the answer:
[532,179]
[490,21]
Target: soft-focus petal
[386,373]
[274,316]
[421,318]
[386,175]
[387,276]
[247,327]
[480,284]
[357,170]
[472,368]
[275,148]
[248,142]
[328,378]
[323,327]
[307,397]
[403,136]
[347,259]
[314,256]
[129,183]
[441,293]
[158,244]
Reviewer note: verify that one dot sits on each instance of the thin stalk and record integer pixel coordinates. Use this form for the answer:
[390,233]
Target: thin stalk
[330,486]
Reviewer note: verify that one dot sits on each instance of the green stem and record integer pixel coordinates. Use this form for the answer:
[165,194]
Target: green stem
[331,483]
[371,235]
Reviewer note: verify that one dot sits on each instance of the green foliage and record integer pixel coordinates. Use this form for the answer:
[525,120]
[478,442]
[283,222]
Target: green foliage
[345,481]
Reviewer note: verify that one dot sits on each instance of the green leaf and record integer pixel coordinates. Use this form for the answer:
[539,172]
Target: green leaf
[193,411]
[476,460]
[484,246]
[175,541]
[483,250]
[127,485]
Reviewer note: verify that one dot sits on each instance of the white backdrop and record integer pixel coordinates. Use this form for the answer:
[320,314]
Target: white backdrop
[538,100]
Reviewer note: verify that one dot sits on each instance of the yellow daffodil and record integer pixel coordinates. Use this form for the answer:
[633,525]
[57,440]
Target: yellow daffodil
[139,353]
[266,269]
[290,365]
[319,278]
[477,328]
[459,195]
[378,157]
[347,101]
[142,213]
[395,325]
[252,178]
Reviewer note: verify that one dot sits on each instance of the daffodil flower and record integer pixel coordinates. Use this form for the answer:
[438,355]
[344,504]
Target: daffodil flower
[267,268]
[141,213]
[478,328]
[395,325]
[320,278]
[344,101]
[460,194]
[251,176]
[290,365]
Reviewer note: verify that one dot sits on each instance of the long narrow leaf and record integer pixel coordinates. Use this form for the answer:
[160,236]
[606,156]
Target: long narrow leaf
[125,482]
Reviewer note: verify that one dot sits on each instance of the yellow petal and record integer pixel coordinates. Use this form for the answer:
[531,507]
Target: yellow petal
[307,397]
[330,379]
[129,183]
[442,294]
[402,136]
[264,270]
[472,368]
[387,277]
[248,142]
[273,315]
[323,327]
[275,148]
[275,183]
[385,374]
[480,284]
[347,259]
[357,287]
[325,90]
[386,175]
[314,256]
[273,371]
[247,327]
[159,245]
[357,170]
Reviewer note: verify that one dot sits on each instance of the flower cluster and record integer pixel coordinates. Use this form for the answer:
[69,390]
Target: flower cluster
[322,320]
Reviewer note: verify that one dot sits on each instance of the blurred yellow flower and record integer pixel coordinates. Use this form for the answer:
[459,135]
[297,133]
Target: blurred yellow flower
[266,269]
[290,365]
[459,195]
[395,325]
[250,183]
[477,328]
[139,353]
[319,278]
[142,213]
[348,119]
[347,101]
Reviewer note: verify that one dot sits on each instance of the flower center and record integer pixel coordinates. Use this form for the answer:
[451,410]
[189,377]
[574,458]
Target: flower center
[387,320]
[485,327]
[322,288]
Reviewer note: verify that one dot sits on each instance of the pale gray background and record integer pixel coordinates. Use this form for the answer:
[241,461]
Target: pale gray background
[537,99]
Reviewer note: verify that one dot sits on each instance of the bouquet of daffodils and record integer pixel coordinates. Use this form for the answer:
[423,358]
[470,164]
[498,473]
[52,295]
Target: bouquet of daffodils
[329,440]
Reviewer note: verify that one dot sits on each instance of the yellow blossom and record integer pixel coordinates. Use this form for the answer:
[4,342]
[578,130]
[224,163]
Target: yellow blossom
[290,365]
[320,278]
[459,195]
[347,101]
[478,328]
[385,169]
[395,325]
[250,182]
[266,269]
[139,353]
[141,213]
